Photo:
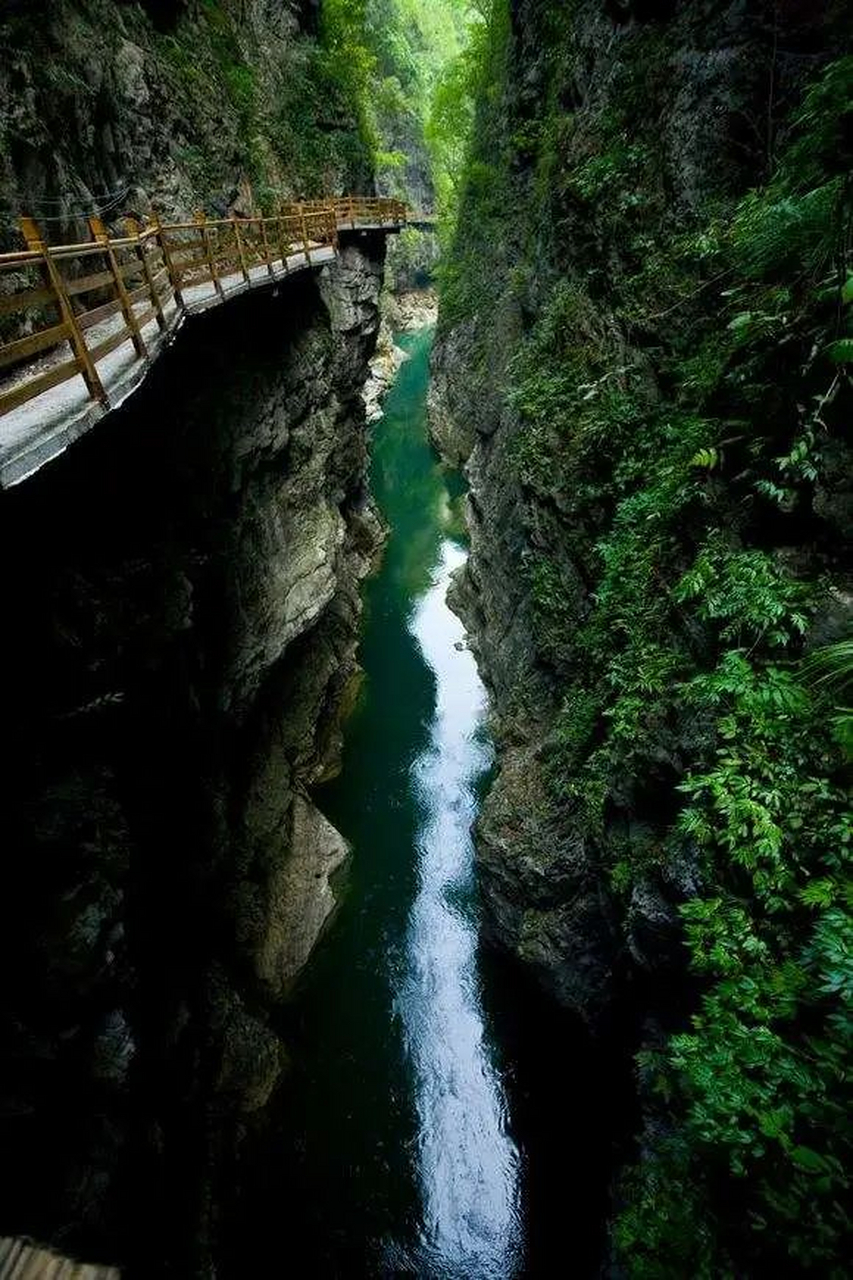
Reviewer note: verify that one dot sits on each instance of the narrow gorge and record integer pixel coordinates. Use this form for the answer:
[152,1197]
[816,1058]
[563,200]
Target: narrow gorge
[426,809]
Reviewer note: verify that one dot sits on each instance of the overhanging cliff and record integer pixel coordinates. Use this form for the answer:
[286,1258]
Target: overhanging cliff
[182,620]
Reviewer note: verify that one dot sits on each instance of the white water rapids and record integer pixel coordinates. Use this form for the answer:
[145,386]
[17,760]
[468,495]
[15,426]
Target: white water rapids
[467,1163]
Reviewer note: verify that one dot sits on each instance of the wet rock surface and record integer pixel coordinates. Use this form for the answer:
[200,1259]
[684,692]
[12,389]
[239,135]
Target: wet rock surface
[412,310]
[383,370]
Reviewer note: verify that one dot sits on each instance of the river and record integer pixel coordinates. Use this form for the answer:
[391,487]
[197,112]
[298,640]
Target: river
[435,1120]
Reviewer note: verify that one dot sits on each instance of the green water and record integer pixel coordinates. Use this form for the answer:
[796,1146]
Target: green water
[393,1151]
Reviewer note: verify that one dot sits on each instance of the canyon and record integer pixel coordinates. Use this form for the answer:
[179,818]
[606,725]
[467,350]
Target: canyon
[427,809]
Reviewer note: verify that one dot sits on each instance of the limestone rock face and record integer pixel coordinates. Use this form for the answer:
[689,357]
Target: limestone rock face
[452,418]
[300,896]
[184,620]
[545,872]
[542,903]
[383,370]
[294,557]
[350,291]
[171,105]
[412,310]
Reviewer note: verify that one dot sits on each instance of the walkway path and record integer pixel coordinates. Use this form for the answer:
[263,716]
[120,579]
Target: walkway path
[70,368]
[20,1260]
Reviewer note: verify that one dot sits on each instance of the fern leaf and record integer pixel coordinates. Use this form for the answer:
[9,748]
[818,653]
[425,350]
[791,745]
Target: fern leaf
[708,459]
[841,351]
[831,292]
[741,322]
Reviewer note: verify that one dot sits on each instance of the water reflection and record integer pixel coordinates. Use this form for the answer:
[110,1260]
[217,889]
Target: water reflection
[467,1163]
[389,1155]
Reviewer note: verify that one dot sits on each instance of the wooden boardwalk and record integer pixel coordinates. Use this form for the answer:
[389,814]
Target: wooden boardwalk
[80,324]
[20,1260]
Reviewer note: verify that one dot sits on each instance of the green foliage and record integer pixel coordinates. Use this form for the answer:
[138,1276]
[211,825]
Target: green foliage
[841,351]
[830,670]
[605,176]
[349,61]
[403,64]
[420,116]
[789,233]
[474,223]
[753,598]
[678,393]
[758,1081]
[448,130]
[760,1069]
[354,101]
[709,459]
[280,113]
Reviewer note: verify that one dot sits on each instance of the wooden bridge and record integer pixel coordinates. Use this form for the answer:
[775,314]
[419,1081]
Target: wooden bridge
[80,324]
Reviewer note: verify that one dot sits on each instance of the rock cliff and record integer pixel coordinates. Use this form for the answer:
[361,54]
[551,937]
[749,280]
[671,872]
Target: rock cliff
[182,597]
[174,105]
[581,237]
[635,357]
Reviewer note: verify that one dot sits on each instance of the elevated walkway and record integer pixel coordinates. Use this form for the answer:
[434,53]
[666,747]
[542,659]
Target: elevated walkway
[65,374]
[20,1260]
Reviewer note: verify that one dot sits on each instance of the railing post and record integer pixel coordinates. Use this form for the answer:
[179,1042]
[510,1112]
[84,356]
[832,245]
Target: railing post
[303,222]
[238,240]
[332,223]
[201,220]
[282,240]
[267,256]
[99,232]
[351,212]
[174,276]
[86,364]
[132,227]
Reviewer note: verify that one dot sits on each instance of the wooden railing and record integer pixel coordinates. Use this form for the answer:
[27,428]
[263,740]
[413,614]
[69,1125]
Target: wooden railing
[65,308]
